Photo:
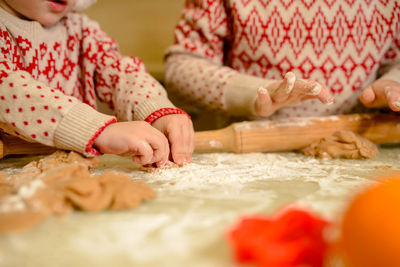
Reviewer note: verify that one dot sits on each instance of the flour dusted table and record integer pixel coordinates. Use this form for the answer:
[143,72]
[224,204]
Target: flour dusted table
[187,223]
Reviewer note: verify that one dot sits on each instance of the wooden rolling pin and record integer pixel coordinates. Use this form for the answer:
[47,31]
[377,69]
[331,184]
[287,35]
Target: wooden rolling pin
[293,134]
[11,145]
[263,136]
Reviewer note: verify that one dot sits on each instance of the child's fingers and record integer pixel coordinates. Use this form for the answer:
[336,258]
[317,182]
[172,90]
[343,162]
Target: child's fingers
[188,140]
[393,97]
[144,153]
[306,89]
[190,143]
[368,97]
[382,93]
[188,137]
[160,150]
[375,96]
[285,88]
[263,103]
[325,96]
[178,148]
[154,149]
[178,131]
[181,139]
[160,155]
[179,157]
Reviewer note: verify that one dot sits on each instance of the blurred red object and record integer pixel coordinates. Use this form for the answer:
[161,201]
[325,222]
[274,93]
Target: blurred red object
[293,238]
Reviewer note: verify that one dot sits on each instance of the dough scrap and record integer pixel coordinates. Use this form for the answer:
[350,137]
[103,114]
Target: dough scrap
[35,168]
[61,183]
[152,168]
[342,144]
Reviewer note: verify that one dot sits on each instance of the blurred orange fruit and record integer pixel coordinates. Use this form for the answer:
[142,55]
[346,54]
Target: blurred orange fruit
[371,227]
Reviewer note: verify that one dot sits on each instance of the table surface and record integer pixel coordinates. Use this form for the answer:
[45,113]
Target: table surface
[196,205]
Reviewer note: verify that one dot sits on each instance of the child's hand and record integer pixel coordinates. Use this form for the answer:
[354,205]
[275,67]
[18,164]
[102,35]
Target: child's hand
[136,139]
[288,92]
[178,128]
[382,93]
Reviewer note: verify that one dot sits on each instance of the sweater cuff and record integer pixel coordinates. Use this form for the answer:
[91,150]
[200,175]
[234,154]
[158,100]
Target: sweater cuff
[144,109]
[163,112]
[79,128]
[241,94]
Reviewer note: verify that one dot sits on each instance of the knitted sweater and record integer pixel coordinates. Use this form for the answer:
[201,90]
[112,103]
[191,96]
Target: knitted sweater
[50,77]
[226,49]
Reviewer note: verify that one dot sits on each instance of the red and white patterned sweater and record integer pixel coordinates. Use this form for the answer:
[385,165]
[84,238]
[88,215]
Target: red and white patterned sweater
[226,49]
[49,79]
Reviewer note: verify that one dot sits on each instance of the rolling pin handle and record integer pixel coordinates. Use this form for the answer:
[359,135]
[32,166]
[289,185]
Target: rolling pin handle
[1,149]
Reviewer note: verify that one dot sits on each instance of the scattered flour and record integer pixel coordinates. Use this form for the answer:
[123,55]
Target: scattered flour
[300,122]
[208,170]
[195,206]
[216,144]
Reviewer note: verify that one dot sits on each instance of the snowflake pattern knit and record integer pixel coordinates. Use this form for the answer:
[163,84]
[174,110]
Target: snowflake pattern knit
[226,49]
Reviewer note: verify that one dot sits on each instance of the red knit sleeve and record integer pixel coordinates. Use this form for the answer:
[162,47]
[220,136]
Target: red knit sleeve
[201,30]
[36,111]
[194,63]
[121,81]
[390,67]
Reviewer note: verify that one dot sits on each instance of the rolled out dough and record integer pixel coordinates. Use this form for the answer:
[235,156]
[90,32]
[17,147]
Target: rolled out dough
[60,183]
[342,144]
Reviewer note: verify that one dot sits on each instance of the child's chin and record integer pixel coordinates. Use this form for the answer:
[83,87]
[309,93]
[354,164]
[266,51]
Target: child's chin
[50,20]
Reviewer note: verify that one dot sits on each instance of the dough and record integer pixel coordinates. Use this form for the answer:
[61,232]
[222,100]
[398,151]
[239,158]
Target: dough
[61,183]
[342,144]
[153,168]
[34,168]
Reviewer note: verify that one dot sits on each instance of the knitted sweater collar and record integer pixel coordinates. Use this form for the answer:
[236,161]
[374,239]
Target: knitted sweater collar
[24,26]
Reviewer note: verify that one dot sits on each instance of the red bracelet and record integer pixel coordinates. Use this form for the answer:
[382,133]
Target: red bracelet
[162,112]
